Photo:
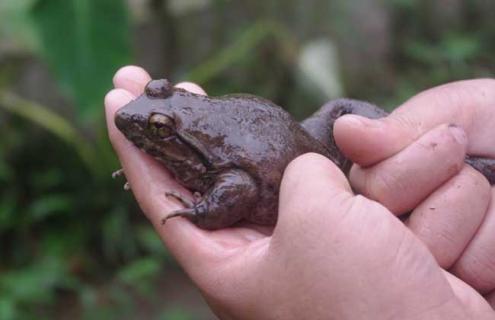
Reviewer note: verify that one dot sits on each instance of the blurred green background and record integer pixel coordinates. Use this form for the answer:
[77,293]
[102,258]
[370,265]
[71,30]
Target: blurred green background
[73,243]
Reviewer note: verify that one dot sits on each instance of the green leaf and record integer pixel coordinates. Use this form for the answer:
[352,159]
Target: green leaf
[84,42]
[139,273]
[16,29]
[118,239]
[241,48]
[5,170]
[46,179]
[34,284]
[51,121]
[49,205]
[423,52]
[149,240]
[7,309]
[176,314]
[460,47]
[8,218]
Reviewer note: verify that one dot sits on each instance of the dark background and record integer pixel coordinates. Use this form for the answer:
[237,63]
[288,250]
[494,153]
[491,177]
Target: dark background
[73,244]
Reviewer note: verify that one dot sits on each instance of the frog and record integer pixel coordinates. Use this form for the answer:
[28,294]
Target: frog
[231,151]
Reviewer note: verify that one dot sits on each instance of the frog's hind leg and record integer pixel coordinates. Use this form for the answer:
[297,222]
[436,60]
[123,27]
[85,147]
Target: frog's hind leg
[320,124]
[229,200]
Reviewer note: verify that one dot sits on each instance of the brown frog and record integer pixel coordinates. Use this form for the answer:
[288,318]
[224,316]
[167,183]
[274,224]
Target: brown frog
[230,151]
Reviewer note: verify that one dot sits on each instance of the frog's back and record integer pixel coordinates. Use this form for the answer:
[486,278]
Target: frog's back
[262,135]
[261,138]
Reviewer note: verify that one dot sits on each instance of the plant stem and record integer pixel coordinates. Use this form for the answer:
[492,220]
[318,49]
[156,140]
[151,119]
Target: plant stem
[51,121]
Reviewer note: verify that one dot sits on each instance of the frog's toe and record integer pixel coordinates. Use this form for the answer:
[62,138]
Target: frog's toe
[189,213]
[127,186]
[117,173]
[185,202]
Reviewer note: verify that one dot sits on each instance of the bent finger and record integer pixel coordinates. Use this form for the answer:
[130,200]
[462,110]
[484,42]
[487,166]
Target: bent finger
[305,180]
[491,299]
[449,218]
[191,87]
[405,179]
[476,266]
[469,104]
[131,78]
[471,300]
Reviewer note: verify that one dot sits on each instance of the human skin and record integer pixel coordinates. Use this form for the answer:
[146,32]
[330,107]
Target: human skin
[332,255]
[457,220]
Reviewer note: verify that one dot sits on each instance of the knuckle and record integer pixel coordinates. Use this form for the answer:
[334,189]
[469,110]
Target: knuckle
[385,186]
[405,120]
[477,181]
[477,270]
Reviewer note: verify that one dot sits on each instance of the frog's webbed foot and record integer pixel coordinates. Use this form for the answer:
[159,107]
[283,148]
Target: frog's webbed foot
[120,173]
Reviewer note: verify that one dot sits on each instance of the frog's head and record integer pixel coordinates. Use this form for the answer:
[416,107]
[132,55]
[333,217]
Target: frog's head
[151,122]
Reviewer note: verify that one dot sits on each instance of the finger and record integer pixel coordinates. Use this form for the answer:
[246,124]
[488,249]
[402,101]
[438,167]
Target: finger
[476,266]
[305,177]
[361,242]
[114,100]
[191,87]
[491,299]
[449,218]
[470,299]
[305,180]
[468,104]
[131,78]
[405,179]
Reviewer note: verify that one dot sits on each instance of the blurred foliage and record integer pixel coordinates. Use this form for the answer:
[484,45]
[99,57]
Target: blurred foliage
[70,241]
[83,46]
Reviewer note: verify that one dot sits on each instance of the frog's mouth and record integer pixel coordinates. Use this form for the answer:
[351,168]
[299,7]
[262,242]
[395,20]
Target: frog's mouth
[177,149]
[136,133]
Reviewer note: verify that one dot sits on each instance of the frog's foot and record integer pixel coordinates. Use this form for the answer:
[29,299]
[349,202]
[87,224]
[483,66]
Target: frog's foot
[192,209]
[117,173]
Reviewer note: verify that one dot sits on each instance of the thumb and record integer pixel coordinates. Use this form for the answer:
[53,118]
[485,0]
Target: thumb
[368,141]
[311,182]
[333,240]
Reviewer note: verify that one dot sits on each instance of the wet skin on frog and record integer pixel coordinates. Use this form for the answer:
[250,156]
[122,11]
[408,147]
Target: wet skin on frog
[231,151]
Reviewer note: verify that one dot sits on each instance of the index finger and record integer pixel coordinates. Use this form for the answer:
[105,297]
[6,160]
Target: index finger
[469,104]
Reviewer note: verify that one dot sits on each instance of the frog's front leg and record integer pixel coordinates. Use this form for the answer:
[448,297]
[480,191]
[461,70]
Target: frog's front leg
[120,173]
[229,200]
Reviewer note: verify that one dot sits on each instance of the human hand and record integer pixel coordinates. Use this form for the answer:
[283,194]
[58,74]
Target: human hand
[332,255]
[406,162]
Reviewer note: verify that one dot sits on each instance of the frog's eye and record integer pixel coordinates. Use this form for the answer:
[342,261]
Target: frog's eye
[162,125]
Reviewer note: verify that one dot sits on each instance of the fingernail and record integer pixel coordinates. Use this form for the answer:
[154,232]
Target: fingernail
[458,133]
[359,121]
